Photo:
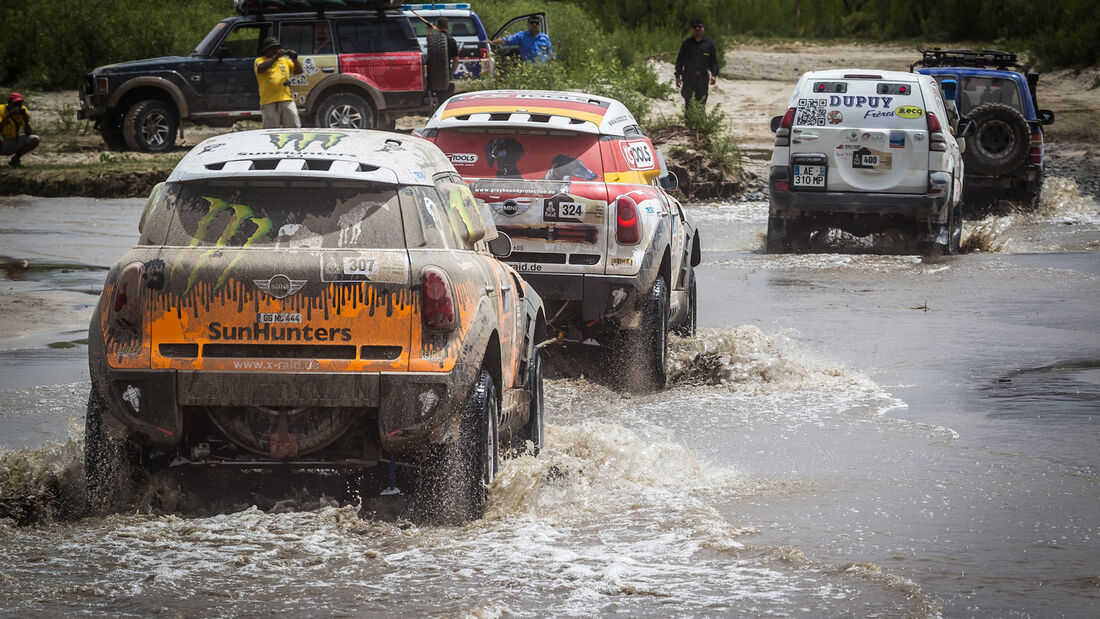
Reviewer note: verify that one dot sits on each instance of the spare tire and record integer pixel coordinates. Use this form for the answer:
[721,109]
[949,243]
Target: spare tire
[439,65]
[1000,141]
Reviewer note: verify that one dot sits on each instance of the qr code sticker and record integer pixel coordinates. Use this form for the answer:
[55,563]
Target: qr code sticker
[811,112]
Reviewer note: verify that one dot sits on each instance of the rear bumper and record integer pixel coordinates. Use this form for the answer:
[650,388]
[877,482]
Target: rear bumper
[600,296]
[413,409]
[793,204]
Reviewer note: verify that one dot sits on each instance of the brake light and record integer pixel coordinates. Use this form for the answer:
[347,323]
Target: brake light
[862,76]
[937,141]
[437,306]
[627,230]
[933,122]
[783,133]
[485,52]
[127,297]
[1035,154]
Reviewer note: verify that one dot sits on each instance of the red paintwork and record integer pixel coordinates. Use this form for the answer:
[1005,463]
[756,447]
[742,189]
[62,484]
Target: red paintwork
[388,72]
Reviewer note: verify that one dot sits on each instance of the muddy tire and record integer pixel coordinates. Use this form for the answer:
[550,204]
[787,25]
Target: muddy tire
[150,126]
[1000,143]
[647,348]
[439,65]
[108,461]
[456,476]
[688,327]
[535,428]
[346,111]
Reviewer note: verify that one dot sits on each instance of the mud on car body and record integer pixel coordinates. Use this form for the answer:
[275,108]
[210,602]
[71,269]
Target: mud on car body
[362,70]
[865,151]
[1004,158]
[318,299]
[577,186]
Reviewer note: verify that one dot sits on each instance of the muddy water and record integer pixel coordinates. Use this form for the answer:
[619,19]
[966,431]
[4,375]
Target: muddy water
[850,434]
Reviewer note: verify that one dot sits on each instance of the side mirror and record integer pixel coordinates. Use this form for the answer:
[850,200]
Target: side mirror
[487,221]
[669,182]
[501,246]
[1046,116]
[150,204]
[967,127]
[776,121]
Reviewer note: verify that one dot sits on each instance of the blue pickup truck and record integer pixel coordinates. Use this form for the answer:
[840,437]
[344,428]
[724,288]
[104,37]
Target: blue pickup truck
[1004,157]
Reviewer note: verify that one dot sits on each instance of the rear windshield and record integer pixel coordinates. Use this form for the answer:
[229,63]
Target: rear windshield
[366,35]
[867,103]
[459,26]
[282,213]
[533,154]
[981,90]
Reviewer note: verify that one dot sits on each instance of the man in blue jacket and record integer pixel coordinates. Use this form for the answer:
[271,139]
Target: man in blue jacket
[533,45]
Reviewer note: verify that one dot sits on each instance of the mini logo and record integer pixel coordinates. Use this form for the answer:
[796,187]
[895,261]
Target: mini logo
[279,286]
[510,207]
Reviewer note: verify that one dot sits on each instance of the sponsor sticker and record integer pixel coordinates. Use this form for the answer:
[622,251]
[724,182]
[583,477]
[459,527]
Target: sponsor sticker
[526,267]
[639,154]
[463,159]
[897,139]
[622,262]
[909,111]
[835,117]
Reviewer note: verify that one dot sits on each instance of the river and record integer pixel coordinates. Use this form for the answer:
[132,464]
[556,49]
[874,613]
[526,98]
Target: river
[850,434]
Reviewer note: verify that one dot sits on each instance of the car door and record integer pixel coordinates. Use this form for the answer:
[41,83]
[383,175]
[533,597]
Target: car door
[227,80]
[518,24]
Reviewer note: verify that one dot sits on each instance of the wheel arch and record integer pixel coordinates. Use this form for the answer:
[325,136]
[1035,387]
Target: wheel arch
[339,84]
[696,250]
[149,87]
[490,360]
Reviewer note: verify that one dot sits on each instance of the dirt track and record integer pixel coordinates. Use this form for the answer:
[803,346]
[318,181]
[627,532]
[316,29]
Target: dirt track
[753,87]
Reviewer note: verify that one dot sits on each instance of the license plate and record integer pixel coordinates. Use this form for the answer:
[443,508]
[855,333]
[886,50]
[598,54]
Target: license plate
[809,176]
[874,161]
[563,210]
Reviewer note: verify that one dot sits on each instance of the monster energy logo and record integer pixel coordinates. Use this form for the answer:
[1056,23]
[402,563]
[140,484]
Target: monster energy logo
[241,213]
[301,139]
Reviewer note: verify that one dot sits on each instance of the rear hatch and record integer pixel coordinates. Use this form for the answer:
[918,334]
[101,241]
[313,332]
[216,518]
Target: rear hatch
[860,134]
[546,189]
[276,275]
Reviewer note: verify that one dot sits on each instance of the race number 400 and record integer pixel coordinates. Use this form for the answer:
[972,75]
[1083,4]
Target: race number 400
[639,154]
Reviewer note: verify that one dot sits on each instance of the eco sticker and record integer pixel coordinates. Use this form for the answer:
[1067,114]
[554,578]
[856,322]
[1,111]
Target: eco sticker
[909,111]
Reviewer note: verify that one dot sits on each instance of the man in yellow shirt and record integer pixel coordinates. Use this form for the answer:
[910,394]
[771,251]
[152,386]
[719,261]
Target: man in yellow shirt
[13,118]
[273,71]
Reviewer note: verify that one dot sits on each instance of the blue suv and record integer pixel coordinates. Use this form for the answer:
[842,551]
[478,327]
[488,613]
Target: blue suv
[1004,157]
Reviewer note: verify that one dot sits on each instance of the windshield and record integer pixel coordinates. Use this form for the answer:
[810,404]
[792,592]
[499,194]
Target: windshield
[459,26]
[981,90]
[528,154]
[282,213]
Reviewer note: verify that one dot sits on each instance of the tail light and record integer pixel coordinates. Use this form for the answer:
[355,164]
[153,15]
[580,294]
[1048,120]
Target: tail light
[437,305]
[627,230]
[1035,154]
[783,133]
[127,298]
[937,141]
[484,52]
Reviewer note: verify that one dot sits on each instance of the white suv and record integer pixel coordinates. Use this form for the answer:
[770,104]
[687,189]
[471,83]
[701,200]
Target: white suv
[865,151]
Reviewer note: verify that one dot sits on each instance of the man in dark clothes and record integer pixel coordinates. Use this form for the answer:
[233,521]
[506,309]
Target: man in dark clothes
[697,57]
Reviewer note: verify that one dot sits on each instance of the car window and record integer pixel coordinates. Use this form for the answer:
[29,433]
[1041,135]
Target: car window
[306,38]
[977,91]
[244,41]
[365,36]
[529,154]
[235,212]
[426,222]
[459,26]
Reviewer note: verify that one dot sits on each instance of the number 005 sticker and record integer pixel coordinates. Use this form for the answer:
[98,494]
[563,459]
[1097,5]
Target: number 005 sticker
[639,154]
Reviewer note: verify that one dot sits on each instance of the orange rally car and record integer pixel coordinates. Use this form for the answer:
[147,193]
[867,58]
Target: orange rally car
[313,299]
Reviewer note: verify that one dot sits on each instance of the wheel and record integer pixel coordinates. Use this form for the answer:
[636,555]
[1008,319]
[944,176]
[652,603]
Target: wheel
[954,230]
[150,126]
[108,461]
[687,328]
[535,428]
[439,65]
[346,110]
[457,475]
[648,346]
[1001,141]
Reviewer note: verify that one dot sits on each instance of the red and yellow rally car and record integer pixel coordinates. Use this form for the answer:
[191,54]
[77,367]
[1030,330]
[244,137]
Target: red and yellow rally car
[313,299]
[581,191]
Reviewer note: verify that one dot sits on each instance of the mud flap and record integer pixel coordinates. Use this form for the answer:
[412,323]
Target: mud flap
[284,444]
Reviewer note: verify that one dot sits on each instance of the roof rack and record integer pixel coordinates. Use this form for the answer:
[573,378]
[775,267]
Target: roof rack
[985,59]
[259,7]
